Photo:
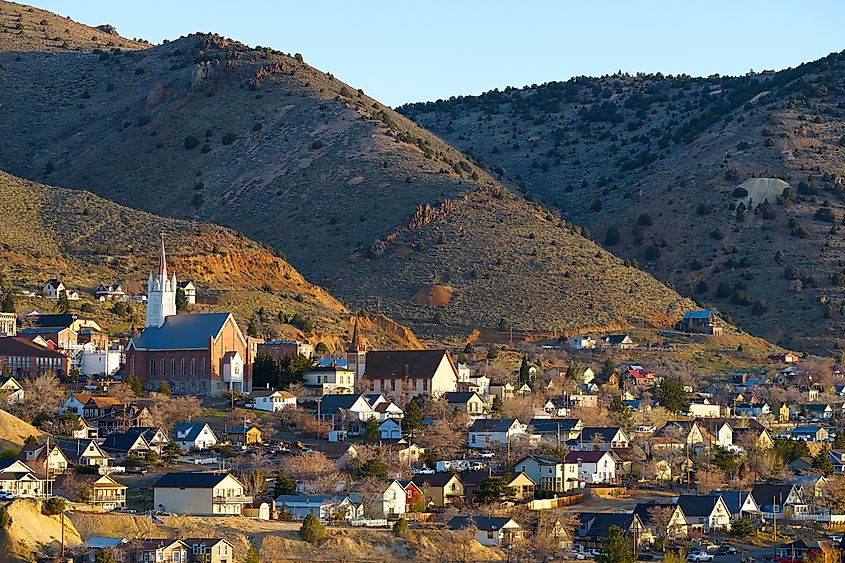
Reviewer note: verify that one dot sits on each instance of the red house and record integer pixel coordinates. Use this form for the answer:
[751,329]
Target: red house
[413,494]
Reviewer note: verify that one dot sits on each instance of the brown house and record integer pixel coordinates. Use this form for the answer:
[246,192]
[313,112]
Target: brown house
[25,358]
[441,489]
[204,354]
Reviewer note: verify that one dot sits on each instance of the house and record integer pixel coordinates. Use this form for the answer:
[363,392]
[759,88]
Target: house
[810,433]
[189,290]
[244,435]
[405,374]
[330,379]
[123,445]
[703,408]
[110,414]
[383,408]
[476,383]
[84,430]
[818,552]
[705,513]
[811,487]
[112,292]
[394,500]
[549,473]
[582,342]
[210,550]
[440,489]
[89,549]
[278,349]
[21,481]
[492,531]
[620,341]
[62,338]
[602,438]
[85,453]
[8,324]
[328,508]
[700,322]
[781,499]
[677,435]
[786,358]
[593,527]
[24,359]
[594,467]
[46,459]
[522,485]
[202,494]
[53,288]
[65,320]
[676,527]
[466,401]
[273,401]
[11,391]
[740,504]
[147,550]
[345,412]
[816,411]
[836,456]
[75,403]
[752,410]
[556,430]
[155,436]
[104,491]
[194,436]
[718,431]
[502,390]
[486,432]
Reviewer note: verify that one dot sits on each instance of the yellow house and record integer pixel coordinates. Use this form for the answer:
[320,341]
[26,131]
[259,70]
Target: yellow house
[783,413]
[245,435]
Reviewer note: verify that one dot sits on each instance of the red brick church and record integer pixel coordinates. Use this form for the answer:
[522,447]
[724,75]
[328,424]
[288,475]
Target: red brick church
[196,354]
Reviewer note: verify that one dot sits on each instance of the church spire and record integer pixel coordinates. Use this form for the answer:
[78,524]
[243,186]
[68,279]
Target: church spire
[355,345]
[162,261]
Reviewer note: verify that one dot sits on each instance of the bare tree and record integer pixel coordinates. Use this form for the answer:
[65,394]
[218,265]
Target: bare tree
[168,411]
[708,478]
[660,518]
[317,473]
[42,394]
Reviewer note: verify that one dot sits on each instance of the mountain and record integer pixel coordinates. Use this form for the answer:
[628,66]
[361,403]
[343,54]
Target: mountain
[374,208]
[656,166]
[86,240]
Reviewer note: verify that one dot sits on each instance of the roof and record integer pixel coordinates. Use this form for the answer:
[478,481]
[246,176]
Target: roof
[312,499]
[397,363]
[489,523]
[607,433]
[767,494]
[20,346]
[698,314]
[805,430]
[492,425]
[122,441]
[616,338]
[53,282]
[697,505]
[190,480]
[459,397]
[434,480]
[43,329]
[182,332]
[330,404]
[598,523]
[64,320]
[545,460]
[547,425]
[585,456]
[645,509]
[733,499]
[192,430]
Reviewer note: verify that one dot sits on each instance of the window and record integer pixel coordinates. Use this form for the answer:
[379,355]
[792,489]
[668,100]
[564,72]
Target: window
[489,535]
[152,367]
[172,366]
[163,367]
[182,366]
[193,366]
[202,366]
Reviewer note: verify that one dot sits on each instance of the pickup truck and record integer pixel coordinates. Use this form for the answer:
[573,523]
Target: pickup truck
[700,556]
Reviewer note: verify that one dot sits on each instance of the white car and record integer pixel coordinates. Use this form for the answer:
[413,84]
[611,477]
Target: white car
[422,471]
[700,556]
[486,455]
[835,538]
[6,496]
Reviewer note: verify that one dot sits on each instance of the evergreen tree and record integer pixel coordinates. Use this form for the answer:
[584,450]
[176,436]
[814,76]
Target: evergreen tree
[839,441]
[8,305]
[413,418]
[63,306]
[670,395]
[822,464]
[252,328]
[104,556]
[181,300]
[371,430]
[284,485]
[742,528]
[164,388]
[615,548]
[498,404]
[135,384]
[252,555]
[400,528]
[495,489]
[171,451]
[524,371]
[312,530]
[620,414]
[373,467]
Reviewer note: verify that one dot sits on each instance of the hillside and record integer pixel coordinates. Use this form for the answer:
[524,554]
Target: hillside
[361,200]
[86,240]
[14,431]
[652,163]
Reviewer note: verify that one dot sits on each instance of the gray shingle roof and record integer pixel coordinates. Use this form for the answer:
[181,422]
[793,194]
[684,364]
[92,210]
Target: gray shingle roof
[393,363]
[487,523]
[492,425]
[189,480]
[182,332]
[697,505]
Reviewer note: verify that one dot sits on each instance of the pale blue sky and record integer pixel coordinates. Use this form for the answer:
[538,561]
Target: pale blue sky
[428,49]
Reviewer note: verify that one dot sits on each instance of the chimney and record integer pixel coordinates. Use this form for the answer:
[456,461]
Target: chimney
[407,371]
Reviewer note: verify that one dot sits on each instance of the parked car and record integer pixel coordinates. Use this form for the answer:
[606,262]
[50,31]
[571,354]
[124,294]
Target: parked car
[726,550]
[486,455]
[4,495]
[700,556]
[835,538]
[422,471]
[477,466]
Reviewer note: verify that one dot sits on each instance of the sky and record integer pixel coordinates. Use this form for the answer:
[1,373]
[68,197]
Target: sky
[422,50]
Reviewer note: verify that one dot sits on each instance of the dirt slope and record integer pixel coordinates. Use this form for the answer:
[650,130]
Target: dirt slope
[13,431]
[361,200]
[652,163]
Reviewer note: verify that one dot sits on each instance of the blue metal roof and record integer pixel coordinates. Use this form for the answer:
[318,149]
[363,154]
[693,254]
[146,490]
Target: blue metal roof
[182,332]
[698,314]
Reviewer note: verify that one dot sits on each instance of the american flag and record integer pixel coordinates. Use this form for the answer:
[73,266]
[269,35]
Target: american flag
[156,520]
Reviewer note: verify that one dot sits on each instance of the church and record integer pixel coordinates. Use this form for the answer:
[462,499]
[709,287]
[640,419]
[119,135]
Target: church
[196,354]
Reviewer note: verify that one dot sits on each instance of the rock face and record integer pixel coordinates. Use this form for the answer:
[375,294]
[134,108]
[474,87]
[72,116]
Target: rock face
[108,28]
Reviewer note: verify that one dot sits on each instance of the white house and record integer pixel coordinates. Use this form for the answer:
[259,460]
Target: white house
[464,373]
[329,380]
[582,342]
[190,291]
[593,466]
[53,288]
[492,531]
[384,407]
[703,408]
[390,429]
[705,513]
[405,374]
[11,391]
[394,500]
[74,403]
[194,436]
[273,401]
[196,493]
[19,480]
[549,473]
[486,432]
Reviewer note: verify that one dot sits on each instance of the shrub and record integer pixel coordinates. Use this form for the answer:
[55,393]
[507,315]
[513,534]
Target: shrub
[792,273]
[318,144]
[53,506]
[760,306]
[644,219]
[696,264]
[825,214]
[704,209]
[228,138]
[257,127]
[191,142]
[312,530]
[652,252]
[739,191]
[143,120]
[400,528]
[613,236]
[5,519]
[596,205]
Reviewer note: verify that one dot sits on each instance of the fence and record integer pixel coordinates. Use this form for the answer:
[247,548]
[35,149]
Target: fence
[549,503]
[369,523]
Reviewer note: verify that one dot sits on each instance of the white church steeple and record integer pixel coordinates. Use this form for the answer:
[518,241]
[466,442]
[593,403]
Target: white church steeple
[161,292]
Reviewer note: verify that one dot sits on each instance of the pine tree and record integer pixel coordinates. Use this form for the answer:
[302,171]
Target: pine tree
[615,548]
[284,485]
[252,555]
[413,418]
[822,464]
[371,430]
[63,306]
[181,300]
[742,528]
[312,530]
[524,371]
[252,328]
[8,305]
[104,556]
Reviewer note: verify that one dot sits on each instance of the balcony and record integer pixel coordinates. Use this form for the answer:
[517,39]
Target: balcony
[234,499]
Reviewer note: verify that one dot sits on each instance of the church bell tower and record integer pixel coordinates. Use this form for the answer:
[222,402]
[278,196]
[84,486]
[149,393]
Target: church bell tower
[161,293]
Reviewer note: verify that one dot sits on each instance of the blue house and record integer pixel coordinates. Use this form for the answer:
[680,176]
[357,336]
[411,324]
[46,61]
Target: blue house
[325,507]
